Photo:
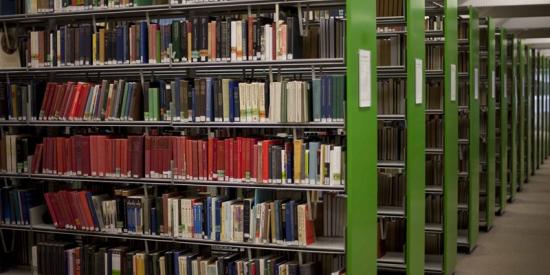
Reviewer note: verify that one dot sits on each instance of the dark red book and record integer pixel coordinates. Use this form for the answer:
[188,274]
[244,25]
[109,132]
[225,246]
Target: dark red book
[135,155]
[147,163]
[266,145]
[220,159]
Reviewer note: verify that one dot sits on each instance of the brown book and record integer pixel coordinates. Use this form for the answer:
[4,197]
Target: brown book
[135,111]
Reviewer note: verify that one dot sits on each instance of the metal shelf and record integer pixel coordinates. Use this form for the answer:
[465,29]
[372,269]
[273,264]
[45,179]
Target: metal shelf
[391,212]
[434,228]
[287,65]
[164,10]
[180,182]
[396,117]
[391,20]
[434,190]
[392,261]
[322,245]
[300,125]
[434,151]
[391,164]
[434,111]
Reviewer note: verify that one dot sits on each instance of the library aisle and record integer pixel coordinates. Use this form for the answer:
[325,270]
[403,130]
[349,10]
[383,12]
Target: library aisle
[520,240]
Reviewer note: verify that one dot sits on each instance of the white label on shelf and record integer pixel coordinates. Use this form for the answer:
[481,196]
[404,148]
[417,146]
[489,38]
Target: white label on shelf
[364,79]
[453,82]
[476,84]
[493,82]
[419,84]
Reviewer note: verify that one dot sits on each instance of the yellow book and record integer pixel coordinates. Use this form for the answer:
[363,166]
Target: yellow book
[102,46]
[298,160]
[94,48]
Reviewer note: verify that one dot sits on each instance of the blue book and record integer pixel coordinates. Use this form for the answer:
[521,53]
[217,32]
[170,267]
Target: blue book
[176,254]
[92,209]
[125,44]
[209,217]
[7,7]
[236,102]
[287,220]
[209,100]
[154,221]
[129,93]
[218,218]
[14,200]
[313,162]
[8,98]
[316,99]
[144,53]
[291,222]
[25,199]
[118,44]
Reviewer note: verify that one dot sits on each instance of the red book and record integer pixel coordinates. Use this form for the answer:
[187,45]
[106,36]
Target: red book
[65,103]
[189,158]
[83,199]
[220,160]
[239,159]
[70,208]
[204,154]
[250,29]
[56,210]
[70,87]
[124,157]
[147,156]
[200,160]
[74,101]
[47,198]
[255,162]
[101,155]
[266,145]
[83,100]
[117,157]
[228,158]
[68,156]
[73,155]
[175,150]
[93,159]
[154,157]
[135,155]
[75,202]
[57,103]
[195,159]
[211,164]
[47,99]
[235,160]
[36,163]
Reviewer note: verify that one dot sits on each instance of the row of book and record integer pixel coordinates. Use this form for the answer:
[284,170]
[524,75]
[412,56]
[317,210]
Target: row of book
[14,153]
[391,96]
[434,23]
[48,6]
[434,243]
[434,170]
[19,206]
[389,8]
[241,159]
[194,39]
[434,57]
[434,209]
[391,189]
[434,94]
[180,100]
[434,131]
[392,235]
[391,141]
[219,218]
[68,258]
[391,51]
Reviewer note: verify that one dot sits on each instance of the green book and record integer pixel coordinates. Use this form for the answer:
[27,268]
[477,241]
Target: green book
[176,36]
[150,104]
[143,2]
[159,45]
[316,99]
[124,102]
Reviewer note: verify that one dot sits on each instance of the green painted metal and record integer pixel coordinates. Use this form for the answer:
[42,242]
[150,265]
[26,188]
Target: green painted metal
[490,213]
[535,102]
[528,117]
[416,141]
[450,160]
[503,122]
[474,125]
[361,124]
[514,122]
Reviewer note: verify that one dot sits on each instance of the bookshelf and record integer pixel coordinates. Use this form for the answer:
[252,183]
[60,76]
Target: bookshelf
[487,123]
[468,184]
[360,191]
[501,123]
[442,77]
[401,84]
[511,92]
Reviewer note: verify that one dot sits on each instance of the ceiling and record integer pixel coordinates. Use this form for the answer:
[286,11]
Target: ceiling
[527,19]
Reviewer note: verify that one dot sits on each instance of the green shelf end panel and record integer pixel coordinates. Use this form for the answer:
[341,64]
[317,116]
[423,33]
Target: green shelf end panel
[362,144]
[474,125]
[416,138]
[527,113]
[503,122]
[521,114]
[450,160]
[514,122]
[491,136]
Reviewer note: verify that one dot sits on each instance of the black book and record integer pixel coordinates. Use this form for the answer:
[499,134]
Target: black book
[218,99]
[195,37]
[169,262]
[183,39]
[3,101]
[203,46]
[219,38]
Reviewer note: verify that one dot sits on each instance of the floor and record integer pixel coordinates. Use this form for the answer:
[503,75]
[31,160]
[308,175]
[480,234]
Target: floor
[519,243]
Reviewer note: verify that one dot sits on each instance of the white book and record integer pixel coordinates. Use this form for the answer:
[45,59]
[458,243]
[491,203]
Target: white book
[335,165]
[242,101]
[261,102]
[34,267]
[239,42]
[175,217]
[233,40]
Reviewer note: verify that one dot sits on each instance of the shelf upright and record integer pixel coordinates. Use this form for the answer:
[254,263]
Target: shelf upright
[534,111]
[501,122]
[487,123]
[521,114]
[361,182]
[512,89]
[442,141]
[401,129]
[468,219]
[528,118]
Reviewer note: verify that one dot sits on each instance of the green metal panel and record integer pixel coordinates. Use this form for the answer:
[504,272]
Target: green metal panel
[361,124]
[503,122]
[450,122]
[528,110]
[514,122]
[491,126]
[535,108]
[416,141]
[521,114]
[474,125]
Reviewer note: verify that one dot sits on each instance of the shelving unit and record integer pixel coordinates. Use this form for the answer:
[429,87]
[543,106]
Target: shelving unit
[361,188]
[521,84]
[405,171]
[487,123]
[501,123]
[441,111]
[511,93]
[468,184]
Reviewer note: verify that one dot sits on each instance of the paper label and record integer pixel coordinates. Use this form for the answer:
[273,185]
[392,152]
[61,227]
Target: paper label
[364,79]
[476,84]
[419,83]
[453,82]
[493,82]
